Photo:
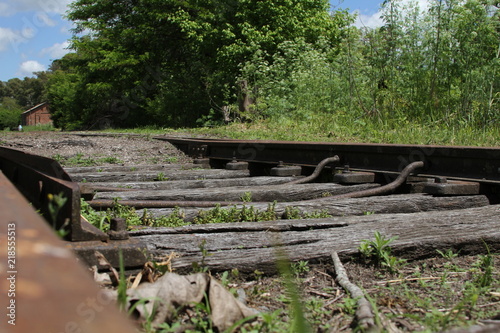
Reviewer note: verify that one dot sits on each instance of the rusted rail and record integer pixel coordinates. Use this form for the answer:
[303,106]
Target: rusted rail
[40,179]
[46,290]
[461,163]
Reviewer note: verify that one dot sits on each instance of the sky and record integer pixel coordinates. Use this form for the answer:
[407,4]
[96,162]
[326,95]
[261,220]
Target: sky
[33,33]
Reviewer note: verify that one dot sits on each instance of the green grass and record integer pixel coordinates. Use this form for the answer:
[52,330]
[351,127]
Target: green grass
[80,160]
[39,128]
[342,128]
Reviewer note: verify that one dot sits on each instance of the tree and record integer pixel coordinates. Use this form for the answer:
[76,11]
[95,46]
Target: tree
[10,113]
[170,62]
[27,92]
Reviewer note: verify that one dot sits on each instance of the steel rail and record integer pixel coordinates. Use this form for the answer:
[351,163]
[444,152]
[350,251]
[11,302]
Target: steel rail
[386,189]
[39,179]
[461,163]
[46,289]
[316,172]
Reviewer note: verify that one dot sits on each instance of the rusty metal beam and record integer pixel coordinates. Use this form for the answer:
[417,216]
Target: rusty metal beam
[44,288]
[37,178]
[461,163]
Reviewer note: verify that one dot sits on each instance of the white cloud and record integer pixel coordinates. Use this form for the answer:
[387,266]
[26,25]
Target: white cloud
[44,19]
[7,38]
[6,9]
[422,4]
[369,21]
[43,6]
[28,67]
[375,20]
[57,50]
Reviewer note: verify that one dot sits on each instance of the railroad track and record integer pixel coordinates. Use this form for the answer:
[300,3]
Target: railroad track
[308,198]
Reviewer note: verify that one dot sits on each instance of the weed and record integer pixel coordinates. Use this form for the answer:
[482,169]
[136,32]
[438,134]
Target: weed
[122,284]
[246,197]
[299,322]
[234,214]
[110,160]
[39,127]
[175,219]
[56,203]
[160,177]
[80,160]
[201,267]
[300,268]
[484,278]
[271,322]
[171,159]
[317,214]
[379,251]
[349,305]
[58,158]
[448,254]
[97,219]
[292,213]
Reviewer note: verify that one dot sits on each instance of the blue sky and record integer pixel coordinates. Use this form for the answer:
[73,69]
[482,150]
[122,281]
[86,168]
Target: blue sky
[33,32]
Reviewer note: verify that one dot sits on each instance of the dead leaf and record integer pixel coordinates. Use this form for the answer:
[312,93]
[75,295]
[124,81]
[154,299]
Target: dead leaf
[172,292]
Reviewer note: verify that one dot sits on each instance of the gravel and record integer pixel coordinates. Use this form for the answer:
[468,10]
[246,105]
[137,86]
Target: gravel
[76,149]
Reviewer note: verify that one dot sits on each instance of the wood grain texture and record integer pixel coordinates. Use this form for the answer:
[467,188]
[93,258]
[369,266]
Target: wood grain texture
[405,203]
[138,176]
[251,246]
[279,193]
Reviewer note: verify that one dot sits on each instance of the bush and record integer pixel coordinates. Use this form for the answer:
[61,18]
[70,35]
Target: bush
[9,118]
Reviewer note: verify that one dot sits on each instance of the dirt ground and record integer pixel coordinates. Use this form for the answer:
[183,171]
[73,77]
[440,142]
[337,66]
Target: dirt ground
[436,294]
[87,150]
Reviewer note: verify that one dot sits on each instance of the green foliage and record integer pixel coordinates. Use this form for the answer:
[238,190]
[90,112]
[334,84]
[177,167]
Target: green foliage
[485,265]
[122,284]
[160,177]
[300,267]
[299,322]
[234,214]
[448,254]
[80,160]
[10,114]
[201,266]
[124,74]
[175,219]
[294,213]
[24,94]
[99,220]
[379,250]
[246,197]
[56,203]
[110,160]
[39,128]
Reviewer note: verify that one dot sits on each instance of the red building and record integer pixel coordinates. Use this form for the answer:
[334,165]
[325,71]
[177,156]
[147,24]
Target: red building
[37,115]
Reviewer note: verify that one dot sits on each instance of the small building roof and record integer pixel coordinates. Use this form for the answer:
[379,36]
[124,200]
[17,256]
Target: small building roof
[35,107]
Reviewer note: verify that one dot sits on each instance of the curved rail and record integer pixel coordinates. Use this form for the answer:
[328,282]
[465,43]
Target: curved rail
[316,171]
[391,187]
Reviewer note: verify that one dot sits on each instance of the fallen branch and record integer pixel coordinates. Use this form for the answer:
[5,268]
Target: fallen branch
[476,329]
[364,312]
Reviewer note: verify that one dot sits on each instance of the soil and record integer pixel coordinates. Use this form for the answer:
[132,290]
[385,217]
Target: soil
[86,150]
[439,293]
